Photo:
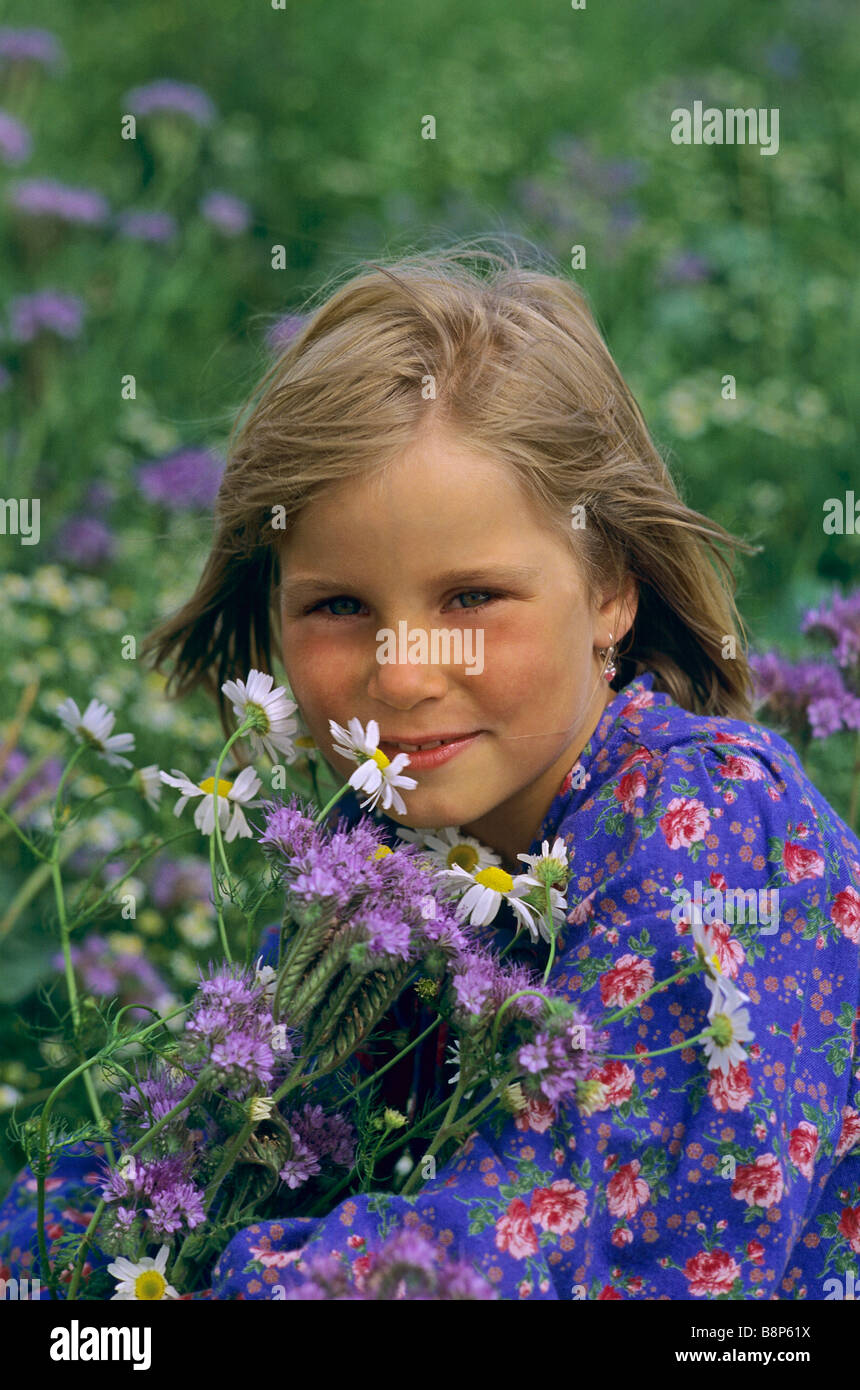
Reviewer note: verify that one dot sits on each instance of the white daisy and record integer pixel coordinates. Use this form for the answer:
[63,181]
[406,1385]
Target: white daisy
[527,900]
[704,947]
[273,730]
[143,1280]
[93,728]
[551,865]
[449,847]
[376,774]
[148,783]
[483,893]
[730,1022]
[236,794]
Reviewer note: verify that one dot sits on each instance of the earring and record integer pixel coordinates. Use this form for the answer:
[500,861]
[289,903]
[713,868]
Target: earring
[608,655]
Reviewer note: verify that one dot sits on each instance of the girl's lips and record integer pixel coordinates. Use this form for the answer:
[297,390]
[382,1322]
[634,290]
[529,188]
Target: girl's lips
[432,757]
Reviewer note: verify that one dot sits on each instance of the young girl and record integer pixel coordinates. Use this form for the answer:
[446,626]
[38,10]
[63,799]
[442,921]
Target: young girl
[441,450]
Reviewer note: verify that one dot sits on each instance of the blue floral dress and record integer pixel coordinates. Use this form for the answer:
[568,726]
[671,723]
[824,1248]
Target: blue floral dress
[678,1179]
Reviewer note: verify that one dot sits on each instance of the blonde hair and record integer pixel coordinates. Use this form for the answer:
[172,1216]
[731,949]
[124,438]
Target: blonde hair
[519,371]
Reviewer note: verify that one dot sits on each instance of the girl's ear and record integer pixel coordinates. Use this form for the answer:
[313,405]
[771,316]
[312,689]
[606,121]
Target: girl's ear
[616,614]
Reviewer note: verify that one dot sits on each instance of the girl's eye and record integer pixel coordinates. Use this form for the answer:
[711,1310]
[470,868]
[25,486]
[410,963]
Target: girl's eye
[483,595]
[330,602]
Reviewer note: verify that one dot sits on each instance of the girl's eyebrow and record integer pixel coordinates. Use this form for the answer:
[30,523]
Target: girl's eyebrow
[303,585]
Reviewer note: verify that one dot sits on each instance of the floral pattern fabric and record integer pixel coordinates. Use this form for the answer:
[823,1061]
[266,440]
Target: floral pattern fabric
[680,1181]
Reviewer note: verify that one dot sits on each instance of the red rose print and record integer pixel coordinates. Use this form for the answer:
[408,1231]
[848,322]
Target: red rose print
[608,1294]
[729,951]
[644,700]
[515,1232]
[617,1080]
[849,1227]
[732,1090]
[801,863]
[640,755]
[759,1184]
[622,1235]
[845,912]
[737,765]
[755,1252]
[583,910]
[625,1192]
[631,786]
[711,1272]
[629,978]
[802,1147]
[718,881]
[850,1134]
[685,821]
[538,1115]
[559,1208]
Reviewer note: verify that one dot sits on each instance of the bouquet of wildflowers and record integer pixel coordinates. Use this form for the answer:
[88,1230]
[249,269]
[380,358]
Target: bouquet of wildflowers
[258,1097]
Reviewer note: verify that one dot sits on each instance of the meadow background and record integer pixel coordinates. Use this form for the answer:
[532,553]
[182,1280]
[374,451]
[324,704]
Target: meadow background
[153,257]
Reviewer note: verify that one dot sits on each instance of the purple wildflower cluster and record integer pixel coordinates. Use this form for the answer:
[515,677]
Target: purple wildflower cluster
[839,620]
[173,99]
[187,479]
[559,1057]
[316,1136]
[405,1268]
[159,1189]
[175,881]
[46,311]
[804,696]
[85,541]
[50,198]
[231,1026]
[16,142]
[30,46]
[139,225]
[112,973]
[227,214]
[44,779]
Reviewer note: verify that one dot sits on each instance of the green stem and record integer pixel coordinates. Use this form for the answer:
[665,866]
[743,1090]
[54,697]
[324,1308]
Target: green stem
[660,1051]
[551,928]
[661,984]
[21,836]
[337,796]
[520,992]
[440,1136]
[219,905]
[58,800]
[380,1070]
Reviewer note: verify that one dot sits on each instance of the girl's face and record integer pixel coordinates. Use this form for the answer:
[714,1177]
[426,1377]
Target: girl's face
[444,541]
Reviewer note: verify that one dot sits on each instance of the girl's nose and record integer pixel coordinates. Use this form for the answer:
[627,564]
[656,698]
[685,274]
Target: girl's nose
[394,678]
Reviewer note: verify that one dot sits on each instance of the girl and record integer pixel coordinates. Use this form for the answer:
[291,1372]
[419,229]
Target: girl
[457,452]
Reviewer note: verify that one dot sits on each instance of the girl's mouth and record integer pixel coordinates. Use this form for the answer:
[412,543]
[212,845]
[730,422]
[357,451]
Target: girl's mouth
[429,752]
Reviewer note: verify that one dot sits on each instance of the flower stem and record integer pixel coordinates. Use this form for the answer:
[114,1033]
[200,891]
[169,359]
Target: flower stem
[551,929]
[660,1051]
[504,1005]
[325,810]
[682,974]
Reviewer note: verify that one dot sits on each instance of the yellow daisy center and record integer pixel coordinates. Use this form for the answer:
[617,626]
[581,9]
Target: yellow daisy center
[380,759]
[498,879]
[224,788]
[150,1285]
[463,857]
[381,851]
[305,741]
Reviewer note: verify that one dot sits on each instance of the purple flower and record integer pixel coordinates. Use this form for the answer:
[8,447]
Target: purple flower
[290,830]
[301,1166]
[16,143]
[387,933]
[803,695]
[46,311]
[284,330]
[45,779]
[50,198]
[188,479]
[406,1267]
[839,620]
[154,1096]
[116,974]
[146,226]
[30,46]
[175,98]
[173,1207]
[175,881]
[473,983]
[227,214]
[318,882]
[85,541]
[533,1057]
